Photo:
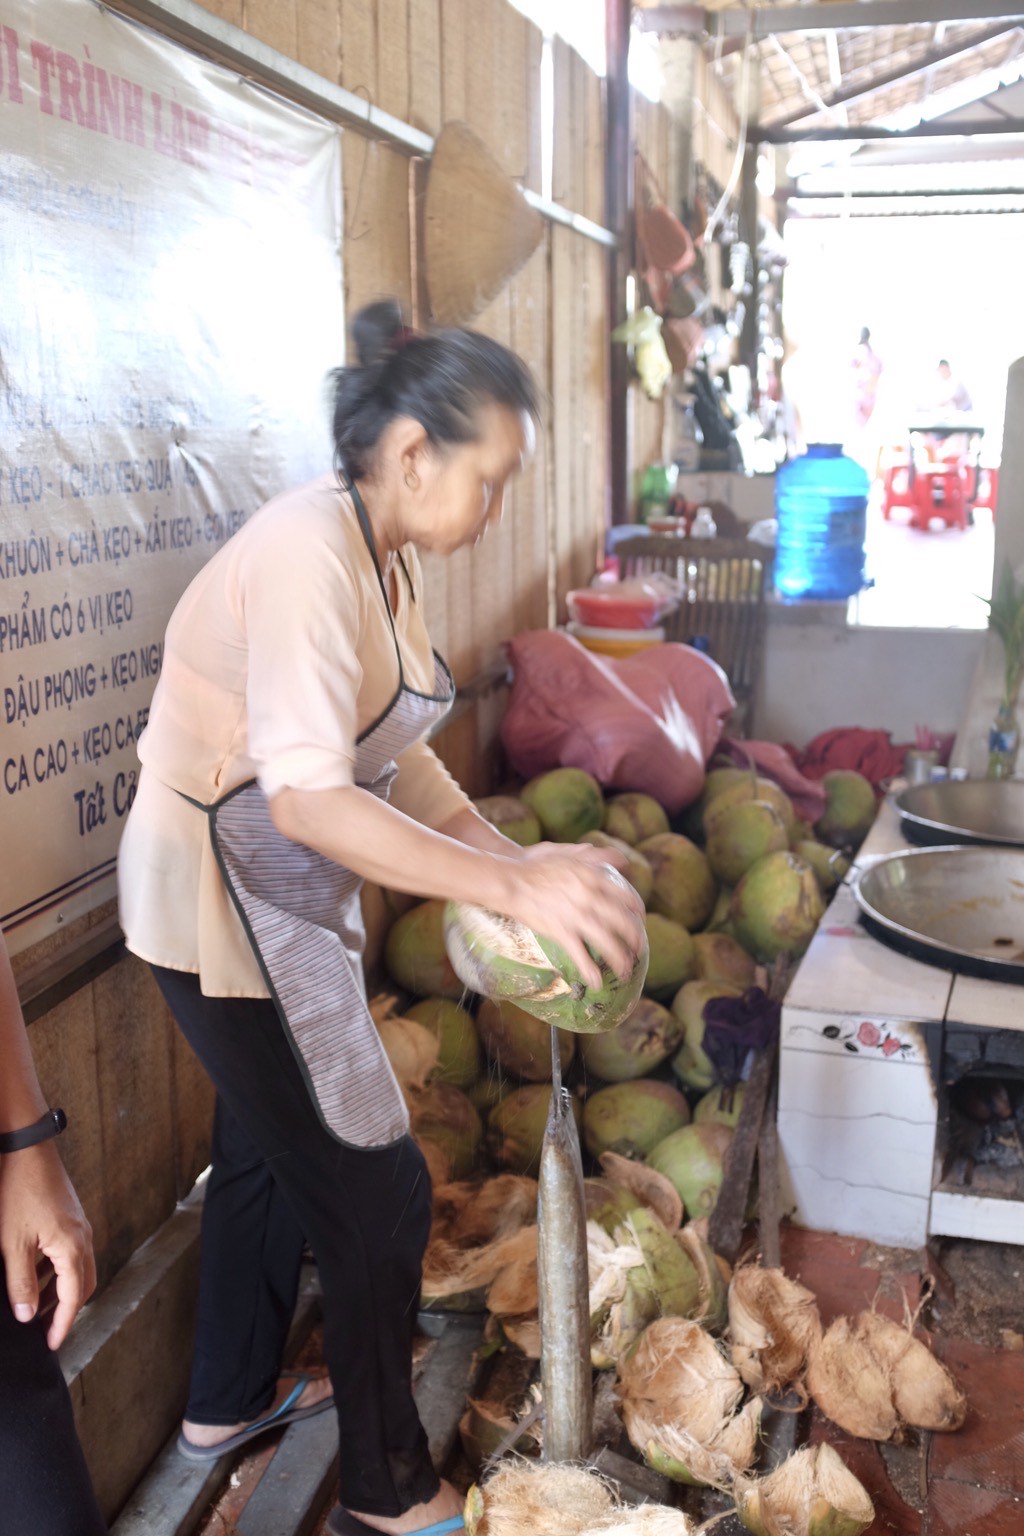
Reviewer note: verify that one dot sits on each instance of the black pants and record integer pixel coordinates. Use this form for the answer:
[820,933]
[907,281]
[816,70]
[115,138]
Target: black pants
[278,1177]
[44,1483]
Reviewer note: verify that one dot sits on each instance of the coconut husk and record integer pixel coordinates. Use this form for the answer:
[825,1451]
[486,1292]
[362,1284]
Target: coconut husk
[524,1333]
[714,1288]
[924,1392]
[438,1161]
[644,1520]
[679,1397]
[774,1324]
[524,1498]
[485,1426]
[471,1213]
[811,1494]
[651,1188]
[447,1269]
[851,1386]
[479,228]
[621,1300]
[513,1291]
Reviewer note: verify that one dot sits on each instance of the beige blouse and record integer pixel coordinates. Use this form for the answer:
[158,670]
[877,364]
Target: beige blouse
[278,655]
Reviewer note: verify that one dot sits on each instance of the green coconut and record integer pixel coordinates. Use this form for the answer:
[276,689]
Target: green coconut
[635,1047]
[443,1115]
[503,960]
[691,1065]
[515,1127]
[684,887]
[742,834]
[776,907]
[829,865]
[489,1089]
[512,817]
[458,1058]
[800,832]
[518,1042]
[670,1269]
[638,872]
[567,802]
[750,787]
[632,817]
[609,1204]
[718,957]
[636,1277]
[812,1493]
[631,1118]
[850,808]
[672,956]
[720,1106]
[692,1159]
[415,953]
[719,921]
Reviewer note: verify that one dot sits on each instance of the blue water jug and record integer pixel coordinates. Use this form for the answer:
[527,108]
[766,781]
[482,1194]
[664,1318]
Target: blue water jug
[821,505]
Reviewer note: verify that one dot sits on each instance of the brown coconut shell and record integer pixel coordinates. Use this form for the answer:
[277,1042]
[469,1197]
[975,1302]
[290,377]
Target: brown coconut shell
[773,1326]
[524,1498]
[479,228]
[850,1385]
[485,1426]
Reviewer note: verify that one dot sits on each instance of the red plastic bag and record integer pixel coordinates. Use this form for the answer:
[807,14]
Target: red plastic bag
[648,722]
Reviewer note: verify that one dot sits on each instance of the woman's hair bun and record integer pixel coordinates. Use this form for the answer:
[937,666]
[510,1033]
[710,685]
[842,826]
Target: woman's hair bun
[375,330]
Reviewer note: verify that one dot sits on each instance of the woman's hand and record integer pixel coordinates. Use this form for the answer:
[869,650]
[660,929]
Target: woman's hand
[569,893]
[40,1215]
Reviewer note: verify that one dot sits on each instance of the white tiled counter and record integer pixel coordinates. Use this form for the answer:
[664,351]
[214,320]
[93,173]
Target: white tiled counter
[861,1045]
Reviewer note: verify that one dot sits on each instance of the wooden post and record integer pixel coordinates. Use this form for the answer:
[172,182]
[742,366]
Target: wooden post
[618,195]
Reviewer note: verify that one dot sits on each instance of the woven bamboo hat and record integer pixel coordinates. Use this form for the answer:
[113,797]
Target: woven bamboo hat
[479,227]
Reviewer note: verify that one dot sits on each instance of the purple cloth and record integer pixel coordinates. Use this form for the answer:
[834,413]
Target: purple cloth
[735,1026]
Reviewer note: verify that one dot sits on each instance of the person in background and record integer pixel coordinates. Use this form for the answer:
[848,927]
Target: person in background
[950,393]
[867,370]
[44,1483]
[285,761]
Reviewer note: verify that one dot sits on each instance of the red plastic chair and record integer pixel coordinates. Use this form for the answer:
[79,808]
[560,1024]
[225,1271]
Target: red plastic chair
[940,491]
[896,487]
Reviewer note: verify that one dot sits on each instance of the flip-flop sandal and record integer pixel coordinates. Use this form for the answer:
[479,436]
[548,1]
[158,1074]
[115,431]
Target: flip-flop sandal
[287,1413]
[341,1523]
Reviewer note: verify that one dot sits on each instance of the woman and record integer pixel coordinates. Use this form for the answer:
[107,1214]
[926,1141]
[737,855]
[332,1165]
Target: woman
[284,763]
[44,1483]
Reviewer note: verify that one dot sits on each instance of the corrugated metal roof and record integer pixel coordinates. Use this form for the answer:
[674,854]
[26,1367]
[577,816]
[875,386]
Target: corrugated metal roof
[801,71]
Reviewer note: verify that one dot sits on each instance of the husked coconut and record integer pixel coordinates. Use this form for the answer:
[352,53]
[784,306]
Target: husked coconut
[525,1498]
[644,1520]
[773,1326]
[811,1494]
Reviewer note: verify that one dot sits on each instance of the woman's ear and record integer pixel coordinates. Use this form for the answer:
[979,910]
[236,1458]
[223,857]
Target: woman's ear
[411,448]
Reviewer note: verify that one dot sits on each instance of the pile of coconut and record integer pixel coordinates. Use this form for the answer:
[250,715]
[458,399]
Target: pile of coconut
[742,883]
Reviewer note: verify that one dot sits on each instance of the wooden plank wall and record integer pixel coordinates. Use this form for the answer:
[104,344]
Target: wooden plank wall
[652,128]
[139,1107]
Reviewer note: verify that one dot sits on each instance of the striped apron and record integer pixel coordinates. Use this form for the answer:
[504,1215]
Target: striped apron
[302,915]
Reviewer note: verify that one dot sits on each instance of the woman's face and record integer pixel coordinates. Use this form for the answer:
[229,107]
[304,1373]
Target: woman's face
[450,497]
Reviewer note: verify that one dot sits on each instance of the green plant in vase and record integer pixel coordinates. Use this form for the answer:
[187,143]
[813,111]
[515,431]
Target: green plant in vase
[1006,617]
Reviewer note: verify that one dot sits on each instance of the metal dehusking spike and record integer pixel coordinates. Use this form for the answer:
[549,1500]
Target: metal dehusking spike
[566,1373]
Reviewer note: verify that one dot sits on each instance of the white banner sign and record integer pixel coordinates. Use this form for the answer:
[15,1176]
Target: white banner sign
[170,301]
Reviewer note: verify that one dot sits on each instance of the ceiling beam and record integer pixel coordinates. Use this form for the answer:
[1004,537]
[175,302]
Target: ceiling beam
[882,82]
[860,15]
[934,130]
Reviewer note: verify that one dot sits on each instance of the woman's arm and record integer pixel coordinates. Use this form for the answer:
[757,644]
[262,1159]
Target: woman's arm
[39,1210]
[562,891]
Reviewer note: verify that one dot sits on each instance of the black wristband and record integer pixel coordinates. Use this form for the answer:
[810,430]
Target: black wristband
[49,1125]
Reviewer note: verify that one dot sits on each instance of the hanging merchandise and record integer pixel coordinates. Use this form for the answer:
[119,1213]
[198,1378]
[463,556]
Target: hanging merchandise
[684,341]
[470,259]
[687,438]
[664,241]
[703,525]
[642,331]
